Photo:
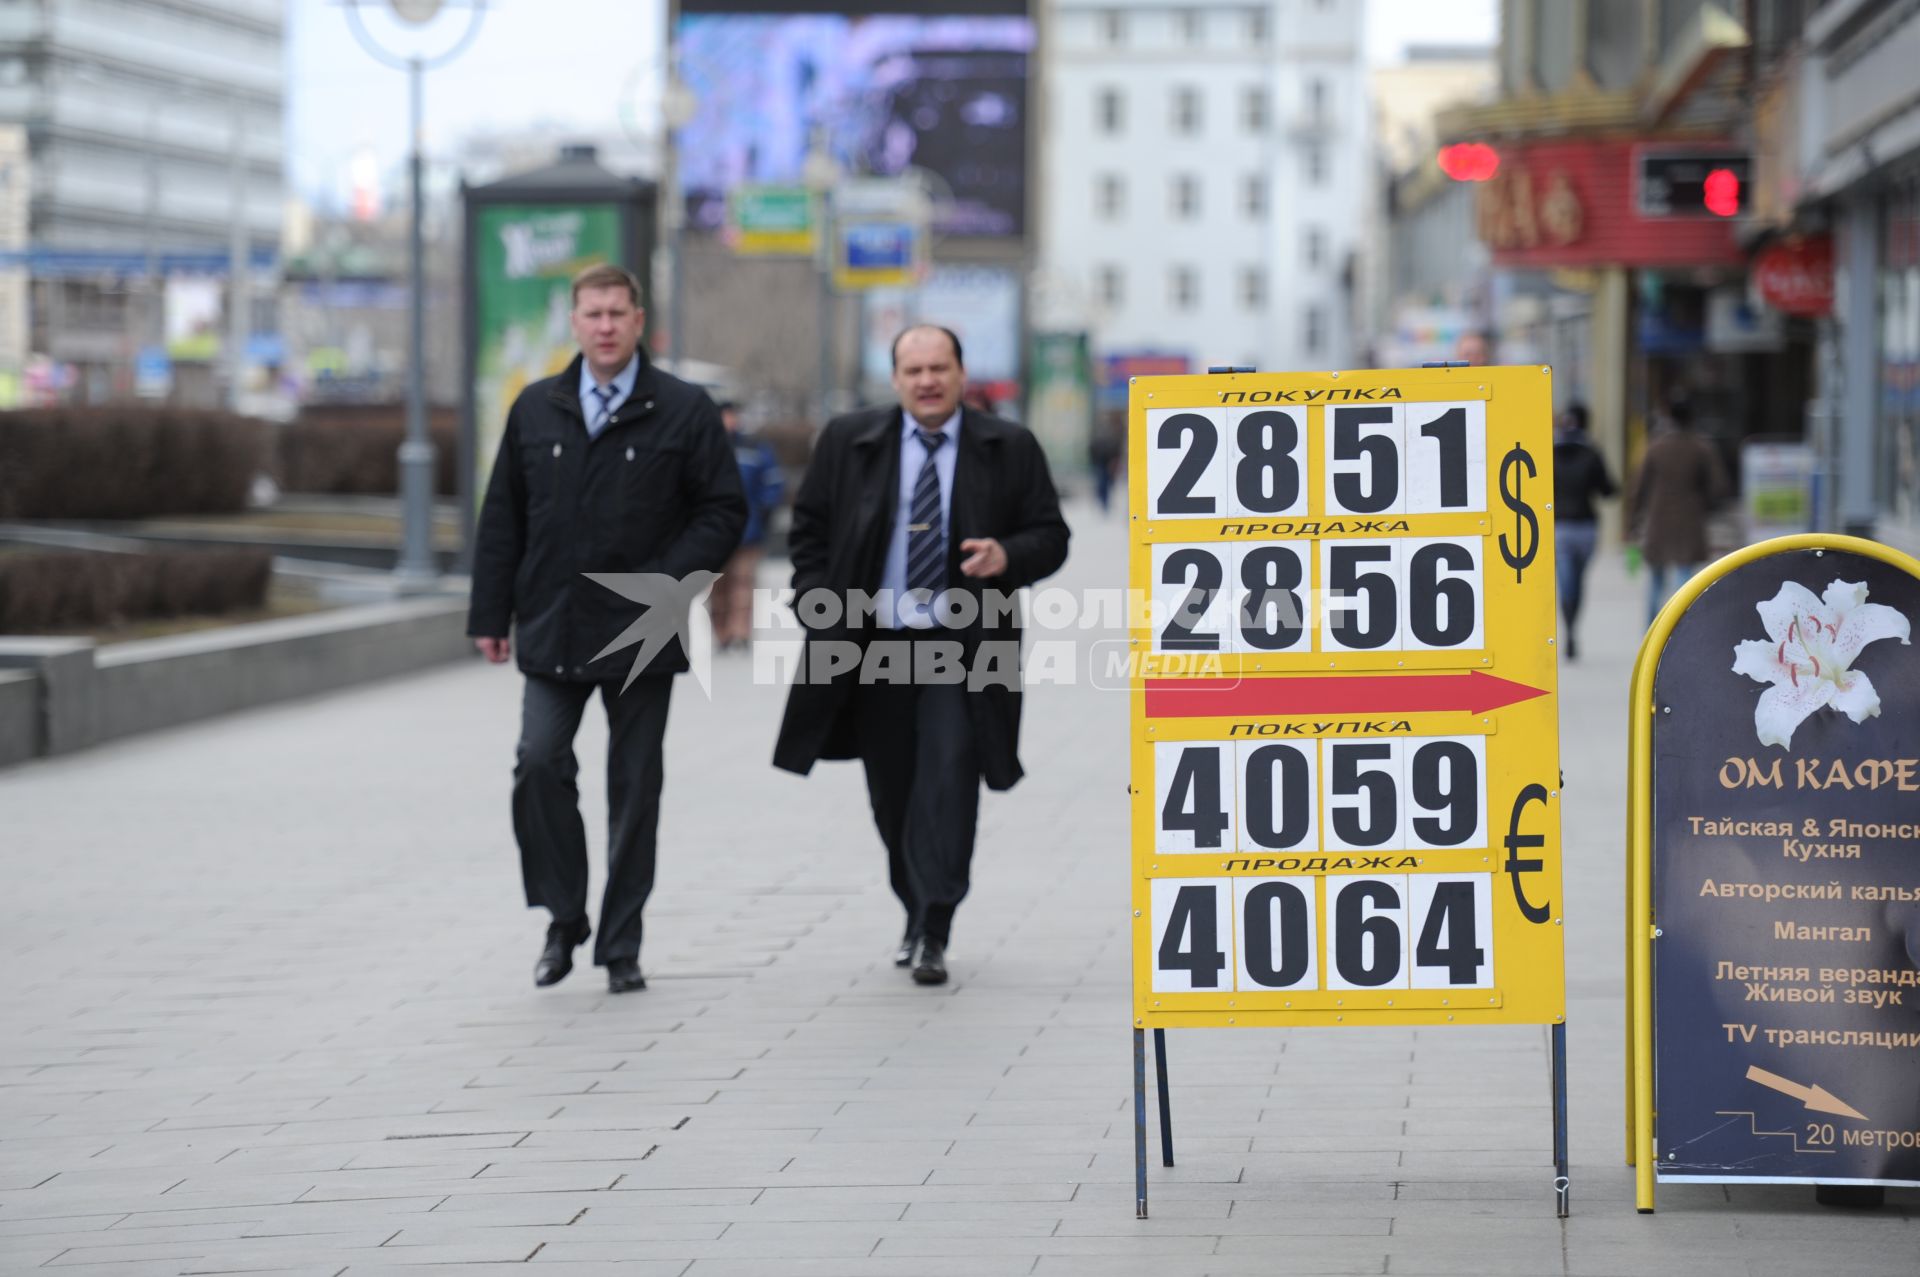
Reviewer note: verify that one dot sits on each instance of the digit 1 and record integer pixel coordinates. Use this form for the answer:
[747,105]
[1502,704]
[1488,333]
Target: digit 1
[1449,430]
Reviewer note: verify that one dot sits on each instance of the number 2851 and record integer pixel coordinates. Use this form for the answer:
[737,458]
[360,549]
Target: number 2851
[1425,458]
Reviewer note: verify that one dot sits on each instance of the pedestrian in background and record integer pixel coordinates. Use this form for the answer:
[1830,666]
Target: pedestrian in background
[1106,449]
[610,466]
[1579,479]
[935,506]
[732,600]
[1679,482]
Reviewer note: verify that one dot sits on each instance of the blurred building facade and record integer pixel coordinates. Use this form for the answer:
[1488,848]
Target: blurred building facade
[1619,219]
[1840,124]
[1784,303]
[1206,178]
[155,152]
[1427,277]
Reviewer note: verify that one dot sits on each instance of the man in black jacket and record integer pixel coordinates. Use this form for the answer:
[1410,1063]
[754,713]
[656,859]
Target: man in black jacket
[1579,479]
[610,467]
[942,512]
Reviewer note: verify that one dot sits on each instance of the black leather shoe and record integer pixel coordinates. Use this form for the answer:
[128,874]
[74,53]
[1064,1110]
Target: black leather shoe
[556,957]
[929,962]
[903,956]
[623,976]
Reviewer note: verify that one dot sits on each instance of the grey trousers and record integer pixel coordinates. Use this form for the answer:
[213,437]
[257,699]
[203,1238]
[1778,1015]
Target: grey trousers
[923,780]
[546,803]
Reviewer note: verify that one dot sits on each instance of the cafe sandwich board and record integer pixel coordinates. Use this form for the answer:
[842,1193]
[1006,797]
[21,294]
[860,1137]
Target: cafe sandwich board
[1344,735]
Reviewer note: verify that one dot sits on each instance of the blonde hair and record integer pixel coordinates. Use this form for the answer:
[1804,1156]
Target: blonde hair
[607,275]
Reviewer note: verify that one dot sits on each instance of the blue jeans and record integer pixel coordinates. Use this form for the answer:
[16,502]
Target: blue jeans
[1662,580]
[1573,543]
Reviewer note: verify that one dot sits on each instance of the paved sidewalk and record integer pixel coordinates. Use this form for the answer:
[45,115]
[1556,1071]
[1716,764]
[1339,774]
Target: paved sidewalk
[268,1008]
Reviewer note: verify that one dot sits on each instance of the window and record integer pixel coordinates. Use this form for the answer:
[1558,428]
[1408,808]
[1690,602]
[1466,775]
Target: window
[1111,285]
[1192,26]
[1556,44]
[1113,28]
[1313,330]
[1316,246]
[1110,110]
[1253,109]
[1316,164]
[1253,287]
[1186,110]
[1185,193]
[1256,27]
[1613,44]
[1109,195]
[1316,99]
[1253,195]
[1676,16]
[1183,287]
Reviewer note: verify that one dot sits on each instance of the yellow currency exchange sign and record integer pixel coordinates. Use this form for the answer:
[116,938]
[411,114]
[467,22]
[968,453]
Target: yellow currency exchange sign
[1346,757]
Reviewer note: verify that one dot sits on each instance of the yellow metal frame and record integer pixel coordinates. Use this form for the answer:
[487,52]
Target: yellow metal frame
[1640,920]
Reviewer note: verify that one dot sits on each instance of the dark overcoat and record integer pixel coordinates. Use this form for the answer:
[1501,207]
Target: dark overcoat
[842,520]
[1679,482]
[656,491]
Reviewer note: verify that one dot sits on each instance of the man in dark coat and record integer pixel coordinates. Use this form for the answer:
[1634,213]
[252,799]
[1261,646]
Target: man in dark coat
[940,513]
[610,467]
[1679,482]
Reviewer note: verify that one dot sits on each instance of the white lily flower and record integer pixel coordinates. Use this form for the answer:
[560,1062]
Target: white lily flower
[1810,646]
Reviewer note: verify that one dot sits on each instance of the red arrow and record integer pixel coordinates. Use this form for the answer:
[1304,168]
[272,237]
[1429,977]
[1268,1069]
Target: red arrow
[1473,692]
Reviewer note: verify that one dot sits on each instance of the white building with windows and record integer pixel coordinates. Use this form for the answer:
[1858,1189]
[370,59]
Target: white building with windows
[1205,178]
[155,149]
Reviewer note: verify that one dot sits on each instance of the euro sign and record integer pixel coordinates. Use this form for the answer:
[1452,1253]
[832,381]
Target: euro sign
[1515,866]
[1526,525]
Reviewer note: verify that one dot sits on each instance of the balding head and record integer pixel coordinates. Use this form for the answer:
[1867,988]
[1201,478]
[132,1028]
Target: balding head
[927,374]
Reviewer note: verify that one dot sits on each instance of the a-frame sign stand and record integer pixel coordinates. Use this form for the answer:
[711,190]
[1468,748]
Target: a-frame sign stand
[1344,731]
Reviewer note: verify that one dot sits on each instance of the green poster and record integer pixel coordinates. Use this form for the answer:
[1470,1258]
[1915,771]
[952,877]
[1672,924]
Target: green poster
[1060,395]
[525,257]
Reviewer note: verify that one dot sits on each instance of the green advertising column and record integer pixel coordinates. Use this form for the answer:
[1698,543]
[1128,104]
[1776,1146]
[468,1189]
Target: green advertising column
[527,237]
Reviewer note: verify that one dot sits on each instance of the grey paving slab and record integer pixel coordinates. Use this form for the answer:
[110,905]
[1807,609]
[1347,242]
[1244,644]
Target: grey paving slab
[268,1006]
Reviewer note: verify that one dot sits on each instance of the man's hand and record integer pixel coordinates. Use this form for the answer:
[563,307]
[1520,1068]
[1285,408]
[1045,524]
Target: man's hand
[986,557]
[496,650]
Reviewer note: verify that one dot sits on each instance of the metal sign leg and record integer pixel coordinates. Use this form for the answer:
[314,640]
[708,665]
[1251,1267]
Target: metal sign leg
[1140,1123]
[1166,1109]
[1559,1066]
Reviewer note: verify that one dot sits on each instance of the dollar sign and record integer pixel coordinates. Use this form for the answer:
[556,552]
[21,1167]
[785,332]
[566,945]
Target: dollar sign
[1526,526]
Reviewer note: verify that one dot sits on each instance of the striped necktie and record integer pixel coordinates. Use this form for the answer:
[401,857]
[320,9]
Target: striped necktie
[605,395]
[926,529]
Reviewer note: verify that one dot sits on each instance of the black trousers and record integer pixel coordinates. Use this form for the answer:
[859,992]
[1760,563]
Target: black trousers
[546,803]
[923,779]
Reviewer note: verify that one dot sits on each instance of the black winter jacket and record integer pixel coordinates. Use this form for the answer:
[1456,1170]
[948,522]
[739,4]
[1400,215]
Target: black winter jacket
[656,491]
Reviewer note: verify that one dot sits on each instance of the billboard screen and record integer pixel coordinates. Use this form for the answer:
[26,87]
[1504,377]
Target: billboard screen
[891,92]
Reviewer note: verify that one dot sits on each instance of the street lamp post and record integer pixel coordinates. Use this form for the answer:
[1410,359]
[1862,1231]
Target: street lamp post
[417,568]
[822,173]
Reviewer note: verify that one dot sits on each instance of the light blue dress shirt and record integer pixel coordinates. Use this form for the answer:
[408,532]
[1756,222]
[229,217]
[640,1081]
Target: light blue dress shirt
[622,386]
[907,613]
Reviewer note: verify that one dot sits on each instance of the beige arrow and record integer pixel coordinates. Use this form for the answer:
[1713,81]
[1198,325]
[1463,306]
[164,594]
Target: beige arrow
[1817,1099]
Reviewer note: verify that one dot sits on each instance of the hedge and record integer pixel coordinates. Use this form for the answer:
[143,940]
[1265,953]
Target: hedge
[356,449]
[126,462]
[66,589]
